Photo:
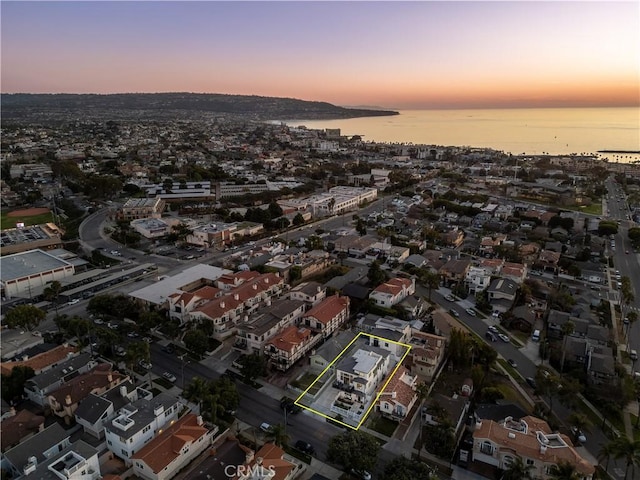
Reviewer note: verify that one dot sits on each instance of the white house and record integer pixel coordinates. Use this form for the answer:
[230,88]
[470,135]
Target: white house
[393,291]
[399,396]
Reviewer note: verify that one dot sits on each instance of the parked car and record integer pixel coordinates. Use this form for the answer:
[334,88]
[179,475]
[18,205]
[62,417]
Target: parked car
[98,321]
[169,376]
[145,365]
[305,447]
[167,349]
[361,474]
[454,313]
[493,329]
[578,434]
[451,298]
[531,382]
[265,427]
[132,335]
[73,302]
[504,338]
[471,312]
[512,362]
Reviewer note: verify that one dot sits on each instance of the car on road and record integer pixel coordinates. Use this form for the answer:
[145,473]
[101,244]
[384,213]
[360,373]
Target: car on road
[145,365]
[112,326]
[169,376]
[531,382]
[305,447]
[147,339]
[132,335]
[167,349]
[512,362]
[73,302]
[578,434]
[361,474]
[265,427]
[454,312]
[627,252]
[120,351]
[98,321]
[115,253]
[493,329]
[451,298]
[471,312]
[504,338]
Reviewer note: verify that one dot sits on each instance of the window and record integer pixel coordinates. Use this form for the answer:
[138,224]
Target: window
[146,429]
[486,448]
[529,461]
[124,452]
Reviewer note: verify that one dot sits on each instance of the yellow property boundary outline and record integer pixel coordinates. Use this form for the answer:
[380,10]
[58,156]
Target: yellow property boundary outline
[373,403]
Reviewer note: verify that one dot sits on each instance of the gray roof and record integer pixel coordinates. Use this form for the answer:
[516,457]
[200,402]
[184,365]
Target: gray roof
[92,408]
[388,334]
[61,460]
[503,285]
[28,263]
[51,376]
[143,414]
[267,319]
[333,346]
[308,288]
[353,275]
[489,411]
[348,363]
[35,446]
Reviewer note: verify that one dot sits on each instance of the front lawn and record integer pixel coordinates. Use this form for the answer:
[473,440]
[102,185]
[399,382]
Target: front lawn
[382,425]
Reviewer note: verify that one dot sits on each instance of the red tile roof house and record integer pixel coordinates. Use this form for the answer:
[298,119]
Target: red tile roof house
[290,345]
[64,401]
[173,449]
[41,362]
[328,315]
[181,303]
[225,311]
[393,291]
[269,463]
[18,427]
[399,396]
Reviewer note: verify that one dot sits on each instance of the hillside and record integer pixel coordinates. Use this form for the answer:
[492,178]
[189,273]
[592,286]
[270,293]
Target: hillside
[22,107]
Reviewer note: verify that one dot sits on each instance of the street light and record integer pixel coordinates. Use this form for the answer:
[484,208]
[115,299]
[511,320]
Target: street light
[183,364]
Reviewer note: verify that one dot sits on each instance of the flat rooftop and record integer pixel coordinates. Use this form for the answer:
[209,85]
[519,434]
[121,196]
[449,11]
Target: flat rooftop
[28,263]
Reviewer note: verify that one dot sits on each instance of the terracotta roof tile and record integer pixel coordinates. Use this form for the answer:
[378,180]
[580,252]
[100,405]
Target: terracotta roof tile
[40,361]
[404,392]
[289,338]
[166,446]
[329,308]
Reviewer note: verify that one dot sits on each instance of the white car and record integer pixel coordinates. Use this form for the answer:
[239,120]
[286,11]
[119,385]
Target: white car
[115,253]
[265,427]
[471,312]
[169,376]
[73,302]
[145,365]
[504,337]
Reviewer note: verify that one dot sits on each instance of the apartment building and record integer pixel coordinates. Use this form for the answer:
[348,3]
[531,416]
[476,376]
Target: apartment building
[289,345]
[137,208]
[326,317]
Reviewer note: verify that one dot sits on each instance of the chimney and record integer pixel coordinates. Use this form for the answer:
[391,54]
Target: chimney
[123,391]
[268,302]
[255,286]
[221,304]
[199,420]
[266,280]
[236,296]
[67,399]
[12,411]
[543,448]
[110,377]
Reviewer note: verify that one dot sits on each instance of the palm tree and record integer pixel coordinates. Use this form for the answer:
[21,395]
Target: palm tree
[629,450]
[431,281]
[607,451]
[279,435]
[136,352]
[564,471]
[517,469]
[422,391]
[52,292]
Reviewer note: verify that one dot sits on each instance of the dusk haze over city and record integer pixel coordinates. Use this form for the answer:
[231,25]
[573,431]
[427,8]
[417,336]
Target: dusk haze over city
[401,55]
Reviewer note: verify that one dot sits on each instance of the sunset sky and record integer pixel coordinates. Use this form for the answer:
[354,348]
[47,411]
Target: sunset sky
[400,55]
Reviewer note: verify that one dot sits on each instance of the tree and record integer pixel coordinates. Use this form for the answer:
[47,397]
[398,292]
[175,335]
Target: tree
[431,280]
[517,469]
[196,390]
[353,450]
[361,227]
[196,341]
[24,316]
[564,471]
[629,450]
[275,210]
[253,366]
[52,292]
[137,351]
[278,434]
[607,451]
[375,274]
[13,384]
[402,468]
[298,220]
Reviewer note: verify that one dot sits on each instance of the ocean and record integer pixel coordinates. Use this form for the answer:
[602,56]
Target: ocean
[554,131]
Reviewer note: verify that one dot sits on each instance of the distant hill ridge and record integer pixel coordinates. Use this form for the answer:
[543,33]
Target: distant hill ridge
[58,106]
